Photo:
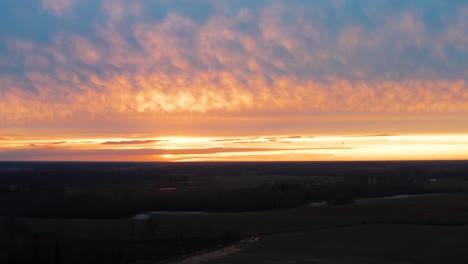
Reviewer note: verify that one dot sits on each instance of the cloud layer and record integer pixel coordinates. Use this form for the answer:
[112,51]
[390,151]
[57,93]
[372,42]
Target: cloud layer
[143,61]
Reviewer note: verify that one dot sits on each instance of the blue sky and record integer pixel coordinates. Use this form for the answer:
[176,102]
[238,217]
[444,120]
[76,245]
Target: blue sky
[415,39]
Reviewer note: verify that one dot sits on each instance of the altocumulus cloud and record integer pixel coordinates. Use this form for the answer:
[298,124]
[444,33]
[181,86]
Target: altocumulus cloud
[58,7]
[134,59]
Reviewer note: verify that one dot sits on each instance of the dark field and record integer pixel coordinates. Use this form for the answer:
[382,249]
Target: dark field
[101,212]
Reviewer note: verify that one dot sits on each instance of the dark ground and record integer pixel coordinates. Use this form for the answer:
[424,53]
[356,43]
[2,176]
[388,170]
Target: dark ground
[59,212]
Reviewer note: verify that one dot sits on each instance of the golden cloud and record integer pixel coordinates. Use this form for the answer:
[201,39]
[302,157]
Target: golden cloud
[178,66]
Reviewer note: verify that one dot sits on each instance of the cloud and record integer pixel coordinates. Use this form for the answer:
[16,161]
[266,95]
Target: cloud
[142,61]
[46,153]
[47,144]
[130,142]
[376,135]
[58,7]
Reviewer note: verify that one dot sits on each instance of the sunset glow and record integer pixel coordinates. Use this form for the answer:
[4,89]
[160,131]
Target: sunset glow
[115,80]
[285,148]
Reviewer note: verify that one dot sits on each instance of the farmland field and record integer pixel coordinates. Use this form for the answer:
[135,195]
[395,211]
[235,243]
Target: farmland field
[287,212]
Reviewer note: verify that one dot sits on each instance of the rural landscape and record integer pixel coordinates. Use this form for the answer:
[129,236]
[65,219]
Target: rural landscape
[307,212]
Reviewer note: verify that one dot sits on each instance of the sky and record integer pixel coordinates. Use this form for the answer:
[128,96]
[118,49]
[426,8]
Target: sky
[233,80]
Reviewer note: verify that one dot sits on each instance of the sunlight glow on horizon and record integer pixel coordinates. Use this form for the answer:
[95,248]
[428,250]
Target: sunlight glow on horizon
[271,148]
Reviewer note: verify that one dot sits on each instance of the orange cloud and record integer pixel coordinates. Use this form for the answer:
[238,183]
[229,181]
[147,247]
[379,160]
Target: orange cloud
[222,92]
[282,68]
